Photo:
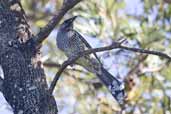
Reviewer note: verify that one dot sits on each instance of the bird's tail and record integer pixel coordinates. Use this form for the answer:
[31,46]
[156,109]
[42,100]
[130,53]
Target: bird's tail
[115,86]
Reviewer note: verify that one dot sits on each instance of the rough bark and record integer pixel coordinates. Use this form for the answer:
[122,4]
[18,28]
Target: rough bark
[24,84]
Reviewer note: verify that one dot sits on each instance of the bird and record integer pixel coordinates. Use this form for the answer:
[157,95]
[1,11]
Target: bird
[71,42]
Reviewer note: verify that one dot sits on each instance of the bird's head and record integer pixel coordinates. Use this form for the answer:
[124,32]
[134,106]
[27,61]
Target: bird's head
[68,24]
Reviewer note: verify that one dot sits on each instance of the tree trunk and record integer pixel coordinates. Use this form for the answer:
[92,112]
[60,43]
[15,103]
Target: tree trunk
[24,84]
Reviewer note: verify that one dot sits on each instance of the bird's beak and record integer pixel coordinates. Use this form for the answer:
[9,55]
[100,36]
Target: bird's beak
[71,20]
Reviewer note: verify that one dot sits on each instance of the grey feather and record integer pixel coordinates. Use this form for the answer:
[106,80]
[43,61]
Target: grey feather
[71,43]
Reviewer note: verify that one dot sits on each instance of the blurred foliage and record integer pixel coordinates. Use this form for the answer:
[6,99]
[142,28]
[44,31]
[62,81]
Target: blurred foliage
[146,22]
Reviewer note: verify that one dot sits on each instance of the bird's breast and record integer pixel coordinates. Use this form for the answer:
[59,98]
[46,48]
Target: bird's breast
[69,43]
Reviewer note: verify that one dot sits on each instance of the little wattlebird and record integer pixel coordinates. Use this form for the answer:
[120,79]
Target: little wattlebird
[72,43]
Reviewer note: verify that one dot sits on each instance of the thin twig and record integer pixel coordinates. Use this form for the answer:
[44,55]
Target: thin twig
[51,64]
[115,45]
[44,32]
[57,65]
[146,52]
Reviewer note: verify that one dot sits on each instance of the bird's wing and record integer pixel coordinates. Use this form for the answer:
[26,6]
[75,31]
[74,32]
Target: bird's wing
[87,45]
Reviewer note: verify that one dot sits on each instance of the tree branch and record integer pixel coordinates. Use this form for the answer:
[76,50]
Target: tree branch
[51,64]
[167,1]
[44,32]
[146,52]
[1,84]
[57,65]
[114,45]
